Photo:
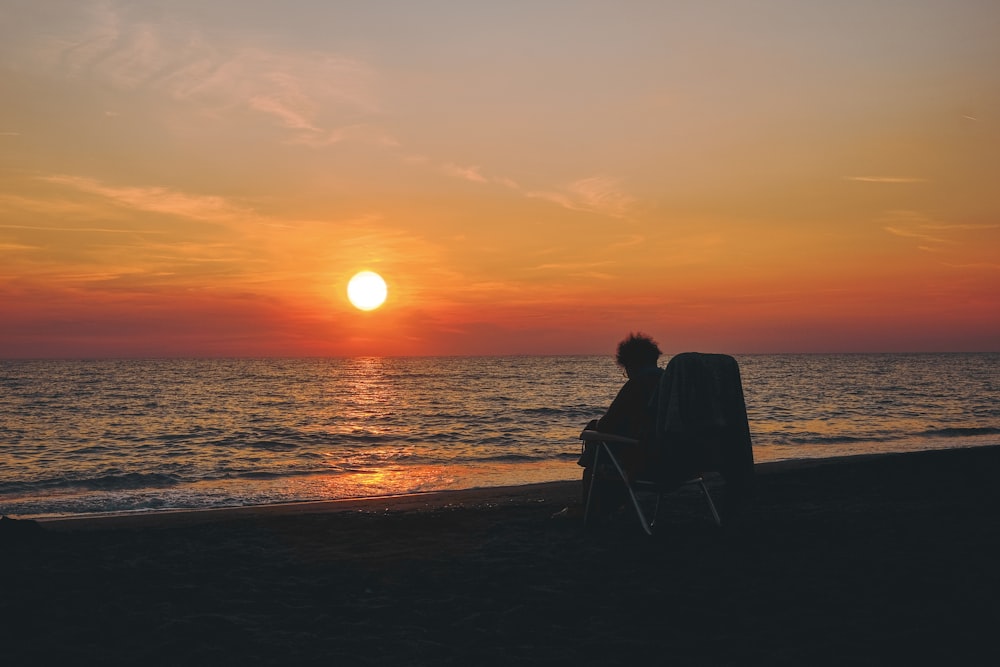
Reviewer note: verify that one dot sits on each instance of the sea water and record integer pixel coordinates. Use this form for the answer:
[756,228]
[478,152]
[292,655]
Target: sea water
[93,436]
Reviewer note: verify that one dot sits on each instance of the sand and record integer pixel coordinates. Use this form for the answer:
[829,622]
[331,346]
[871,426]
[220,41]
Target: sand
[870,560]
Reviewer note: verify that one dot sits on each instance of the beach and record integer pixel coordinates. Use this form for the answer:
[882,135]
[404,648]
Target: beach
[884,559]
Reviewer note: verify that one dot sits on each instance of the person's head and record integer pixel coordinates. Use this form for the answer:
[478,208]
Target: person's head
[637,351]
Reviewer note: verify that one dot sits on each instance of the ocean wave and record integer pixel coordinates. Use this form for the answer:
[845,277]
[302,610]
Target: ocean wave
[296,441]
[827,439]
[227,475]
[271,445]
[507,458]
[573,413]
[338,469]
[111,482]
[815,439]
[544,411]
[129,480]
[956,432]
[257,474]
[362,436]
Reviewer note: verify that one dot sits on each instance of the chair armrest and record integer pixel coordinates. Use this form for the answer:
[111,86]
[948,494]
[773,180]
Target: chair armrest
[590,435]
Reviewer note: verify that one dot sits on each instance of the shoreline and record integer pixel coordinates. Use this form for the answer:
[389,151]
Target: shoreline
[404,502]
[567,491]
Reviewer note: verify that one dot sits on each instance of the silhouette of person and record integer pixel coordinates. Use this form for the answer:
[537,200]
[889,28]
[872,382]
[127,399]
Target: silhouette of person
[630,413]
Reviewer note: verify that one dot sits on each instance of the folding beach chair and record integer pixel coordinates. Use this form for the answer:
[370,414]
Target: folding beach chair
[700,427]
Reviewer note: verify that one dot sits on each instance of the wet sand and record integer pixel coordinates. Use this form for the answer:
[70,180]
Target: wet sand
[866,561]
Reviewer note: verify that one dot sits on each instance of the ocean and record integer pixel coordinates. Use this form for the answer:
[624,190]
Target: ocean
[97,436]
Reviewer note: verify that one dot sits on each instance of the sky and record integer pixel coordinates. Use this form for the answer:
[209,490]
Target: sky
[191,178]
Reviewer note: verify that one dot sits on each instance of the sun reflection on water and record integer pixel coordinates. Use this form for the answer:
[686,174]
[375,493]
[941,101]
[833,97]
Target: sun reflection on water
[380,481]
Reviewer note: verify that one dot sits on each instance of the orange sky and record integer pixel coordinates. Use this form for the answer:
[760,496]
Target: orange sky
[179,179]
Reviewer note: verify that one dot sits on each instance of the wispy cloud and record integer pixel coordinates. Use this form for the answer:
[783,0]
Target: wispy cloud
[597,194]
[159,200]
[885,179]
[629,242]
[573,266]
[59,208]
[917,233]
[507,182]
[305,92]
[602,195]
[988,266]
[289,113]
[469,173]
[360,132]
[89,230]
[934,235]
[473,174]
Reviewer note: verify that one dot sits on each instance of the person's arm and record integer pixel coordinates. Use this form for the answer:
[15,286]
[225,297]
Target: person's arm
[621,417]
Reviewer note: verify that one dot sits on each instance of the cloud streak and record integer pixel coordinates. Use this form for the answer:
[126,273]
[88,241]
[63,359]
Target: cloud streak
[473,174]
[601,195]
[917,233]
[92,230]
[885,179]
[207,208]
[934,234]
[596,194]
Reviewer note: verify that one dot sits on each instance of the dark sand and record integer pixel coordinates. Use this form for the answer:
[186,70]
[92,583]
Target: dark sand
[868,561]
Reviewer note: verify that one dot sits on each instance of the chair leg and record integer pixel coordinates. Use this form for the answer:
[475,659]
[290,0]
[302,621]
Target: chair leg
[593,483]
[711,505]
[631,494]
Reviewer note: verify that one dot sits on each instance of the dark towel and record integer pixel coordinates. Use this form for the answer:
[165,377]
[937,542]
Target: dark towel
[701,422]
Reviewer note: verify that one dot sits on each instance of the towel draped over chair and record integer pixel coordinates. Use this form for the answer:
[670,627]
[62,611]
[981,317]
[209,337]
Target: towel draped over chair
[699,425]
[701,420]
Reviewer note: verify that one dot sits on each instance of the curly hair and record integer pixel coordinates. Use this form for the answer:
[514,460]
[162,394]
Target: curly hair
[637,350]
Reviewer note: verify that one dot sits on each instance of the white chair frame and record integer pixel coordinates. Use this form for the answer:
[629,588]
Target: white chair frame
[605,443]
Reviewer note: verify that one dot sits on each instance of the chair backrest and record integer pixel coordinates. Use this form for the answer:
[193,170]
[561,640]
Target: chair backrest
[701,419]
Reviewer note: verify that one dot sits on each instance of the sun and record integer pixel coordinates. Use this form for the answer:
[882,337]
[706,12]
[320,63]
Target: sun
[366,290]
